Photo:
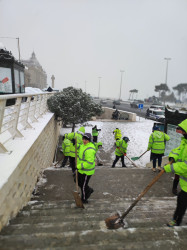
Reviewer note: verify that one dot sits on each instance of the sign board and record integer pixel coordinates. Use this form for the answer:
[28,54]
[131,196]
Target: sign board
[140,106]
[175,139]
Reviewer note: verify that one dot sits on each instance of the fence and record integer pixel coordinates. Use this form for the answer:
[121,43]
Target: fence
[19,116]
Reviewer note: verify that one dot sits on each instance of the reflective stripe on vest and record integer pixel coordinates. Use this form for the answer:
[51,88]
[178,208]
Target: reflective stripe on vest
[85,169]
[174,153]
[83,158]
[172,168]
[183,178]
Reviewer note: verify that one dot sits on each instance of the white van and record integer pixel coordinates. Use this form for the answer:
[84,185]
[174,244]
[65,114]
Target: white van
[156,114]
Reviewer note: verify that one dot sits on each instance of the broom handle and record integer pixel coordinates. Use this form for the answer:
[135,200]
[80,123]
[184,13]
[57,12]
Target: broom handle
[143,153]
[77,188]
[132,161]
[143,193]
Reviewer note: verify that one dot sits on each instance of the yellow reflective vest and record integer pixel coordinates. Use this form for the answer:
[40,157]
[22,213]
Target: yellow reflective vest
[157,142]
[86,159]
[117,133]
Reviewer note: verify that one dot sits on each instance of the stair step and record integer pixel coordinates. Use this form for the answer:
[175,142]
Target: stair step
[103,204]
[101,237]
[58,226]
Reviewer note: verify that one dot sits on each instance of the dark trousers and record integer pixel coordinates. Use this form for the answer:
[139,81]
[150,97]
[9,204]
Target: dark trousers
[154,158]
[117,159]
[72,163]
[95,138]
[175,181]
[83,180]
[181,207]
[65,161]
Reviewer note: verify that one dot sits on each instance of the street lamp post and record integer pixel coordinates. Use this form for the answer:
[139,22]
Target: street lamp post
[121,83]
[99,86]
[167,59]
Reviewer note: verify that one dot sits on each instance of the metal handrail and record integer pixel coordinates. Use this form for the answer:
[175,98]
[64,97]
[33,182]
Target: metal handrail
[24,113]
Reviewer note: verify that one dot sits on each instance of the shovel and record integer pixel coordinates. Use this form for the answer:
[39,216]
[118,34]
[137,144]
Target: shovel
[116,221]
[138,157]
[76,193]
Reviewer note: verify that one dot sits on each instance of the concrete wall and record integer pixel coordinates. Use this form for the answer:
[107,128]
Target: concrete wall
[20,169]
[108,114]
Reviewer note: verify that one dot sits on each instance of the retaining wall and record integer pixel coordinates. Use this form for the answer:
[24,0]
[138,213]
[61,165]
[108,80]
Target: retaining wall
[108,114]
[23,163]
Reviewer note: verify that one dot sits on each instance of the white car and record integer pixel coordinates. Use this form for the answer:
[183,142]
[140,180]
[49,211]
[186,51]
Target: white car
[156,114]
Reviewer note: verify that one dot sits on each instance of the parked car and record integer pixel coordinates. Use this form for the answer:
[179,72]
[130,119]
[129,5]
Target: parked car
[134,104]
[155,106]
[116,102]
[156,114]
[103,101]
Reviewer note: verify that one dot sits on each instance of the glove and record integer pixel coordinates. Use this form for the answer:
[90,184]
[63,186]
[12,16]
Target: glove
[125,154]
[171,159]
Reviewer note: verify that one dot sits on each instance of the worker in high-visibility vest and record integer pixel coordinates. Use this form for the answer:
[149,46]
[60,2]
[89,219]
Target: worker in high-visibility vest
[86,166]
[117,134]
[65,149]
[95,133]
[178,165]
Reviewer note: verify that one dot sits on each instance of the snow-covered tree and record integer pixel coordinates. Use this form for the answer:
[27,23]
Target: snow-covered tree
[73,106]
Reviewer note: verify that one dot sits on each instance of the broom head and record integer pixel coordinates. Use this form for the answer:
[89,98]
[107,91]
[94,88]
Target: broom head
[115,221]
[78,200]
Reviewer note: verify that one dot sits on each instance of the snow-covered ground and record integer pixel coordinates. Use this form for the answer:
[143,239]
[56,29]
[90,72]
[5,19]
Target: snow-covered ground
[138,133]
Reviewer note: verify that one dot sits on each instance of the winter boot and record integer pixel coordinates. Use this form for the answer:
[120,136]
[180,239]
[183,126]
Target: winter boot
[100,164]
[113,166]
[124,166]
[172,223]
[89,193]
[154,169]
[159,168]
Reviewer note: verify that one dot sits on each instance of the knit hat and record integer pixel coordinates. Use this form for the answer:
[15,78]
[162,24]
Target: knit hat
[87,136]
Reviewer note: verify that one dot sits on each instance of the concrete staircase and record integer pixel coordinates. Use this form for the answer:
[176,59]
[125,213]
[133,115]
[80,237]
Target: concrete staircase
[59,224]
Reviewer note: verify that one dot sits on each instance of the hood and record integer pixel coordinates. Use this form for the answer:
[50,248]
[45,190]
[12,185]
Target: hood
[183,125]
[158,134]
[99,143]
[82,129]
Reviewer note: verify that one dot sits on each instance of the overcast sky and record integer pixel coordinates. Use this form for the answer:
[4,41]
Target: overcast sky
[81,40]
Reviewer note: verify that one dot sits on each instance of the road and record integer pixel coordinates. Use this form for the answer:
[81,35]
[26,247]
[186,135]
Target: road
[125,106]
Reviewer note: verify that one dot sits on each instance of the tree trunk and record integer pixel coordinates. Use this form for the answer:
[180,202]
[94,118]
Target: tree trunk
[73,127]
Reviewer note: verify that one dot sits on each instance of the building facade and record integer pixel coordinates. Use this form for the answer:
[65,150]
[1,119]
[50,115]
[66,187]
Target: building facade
[35,76]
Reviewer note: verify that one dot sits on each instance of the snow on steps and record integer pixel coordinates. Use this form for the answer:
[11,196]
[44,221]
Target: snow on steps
[60,225]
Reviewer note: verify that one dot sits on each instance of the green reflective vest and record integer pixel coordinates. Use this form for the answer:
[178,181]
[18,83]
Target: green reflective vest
[66,147]
[86,159]
[97,144]
[94,132]
[180,166]
[121,147]
[72,136]
[157,142]
[117,134]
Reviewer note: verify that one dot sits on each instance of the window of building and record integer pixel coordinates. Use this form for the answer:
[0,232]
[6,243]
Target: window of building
[17,83]
[5,80]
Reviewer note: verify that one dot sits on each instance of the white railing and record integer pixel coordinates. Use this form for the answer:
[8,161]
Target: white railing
[21,115]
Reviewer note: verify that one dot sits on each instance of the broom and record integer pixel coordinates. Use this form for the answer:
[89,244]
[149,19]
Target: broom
[76,193]
[116,221]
